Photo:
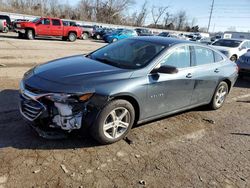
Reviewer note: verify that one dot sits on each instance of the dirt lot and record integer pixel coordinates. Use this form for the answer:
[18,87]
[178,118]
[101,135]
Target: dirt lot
[198,148]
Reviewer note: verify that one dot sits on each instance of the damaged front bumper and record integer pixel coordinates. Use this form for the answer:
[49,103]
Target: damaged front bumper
[66,115]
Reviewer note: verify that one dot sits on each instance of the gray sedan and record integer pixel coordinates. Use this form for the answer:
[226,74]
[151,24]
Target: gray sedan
[131,81]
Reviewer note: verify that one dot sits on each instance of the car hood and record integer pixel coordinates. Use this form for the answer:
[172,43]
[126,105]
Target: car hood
[79,70]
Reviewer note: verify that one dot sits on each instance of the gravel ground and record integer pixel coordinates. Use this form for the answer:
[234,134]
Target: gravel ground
[197,148]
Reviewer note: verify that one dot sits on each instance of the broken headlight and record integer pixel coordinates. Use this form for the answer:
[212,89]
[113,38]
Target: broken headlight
[69,98]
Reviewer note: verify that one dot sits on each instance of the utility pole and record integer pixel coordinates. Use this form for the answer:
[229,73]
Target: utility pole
[210,17]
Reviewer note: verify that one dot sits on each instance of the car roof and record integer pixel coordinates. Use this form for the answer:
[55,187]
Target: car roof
[162,40]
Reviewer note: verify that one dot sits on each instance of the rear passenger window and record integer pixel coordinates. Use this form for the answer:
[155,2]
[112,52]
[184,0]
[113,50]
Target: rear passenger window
[180,58]
[203,55]
[56,22]
[217,57]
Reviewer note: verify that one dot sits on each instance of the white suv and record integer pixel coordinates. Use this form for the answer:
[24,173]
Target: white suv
[232,48]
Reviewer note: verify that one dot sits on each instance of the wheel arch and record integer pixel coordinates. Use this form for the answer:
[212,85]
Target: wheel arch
[229,83]
[87,32]
[72,32]
[234,55]
[133,101]
[30,28]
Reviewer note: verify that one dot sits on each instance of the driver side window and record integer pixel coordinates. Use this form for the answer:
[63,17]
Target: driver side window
[45,21]
[179,58]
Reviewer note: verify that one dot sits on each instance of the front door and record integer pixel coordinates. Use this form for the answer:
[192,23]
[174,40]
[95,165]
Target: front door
[43,27]
[171,92]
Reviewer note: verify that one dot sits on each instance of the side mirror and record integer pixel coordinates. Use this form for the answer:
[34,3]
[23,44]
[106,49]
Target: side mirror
[248,50]
[165,69]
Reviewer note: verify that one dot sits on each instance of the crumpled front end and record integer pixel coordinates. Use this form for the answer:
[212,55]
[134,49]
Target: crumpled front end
[52,110]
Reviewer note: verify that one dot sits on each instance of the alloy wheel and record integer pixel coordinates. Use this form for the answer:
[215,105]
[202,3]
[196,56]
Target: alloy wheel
[220,95]
[116,123]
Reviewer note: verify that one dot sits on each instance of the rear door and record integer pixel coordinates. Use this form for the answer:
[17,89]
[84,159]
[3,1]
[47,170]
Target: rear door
[56,27]
[43,27]
[207,71]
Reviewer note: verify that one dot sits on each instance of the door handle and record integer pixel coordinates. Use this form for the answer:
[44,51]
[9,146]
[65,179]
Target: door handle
[216,70]
[189,75]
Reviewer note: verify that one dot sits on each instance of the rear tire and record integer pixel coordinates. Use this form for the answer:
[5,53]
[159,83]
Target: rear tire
[114,122]
[233,58]
[30,34]
[219,96]
[72,37]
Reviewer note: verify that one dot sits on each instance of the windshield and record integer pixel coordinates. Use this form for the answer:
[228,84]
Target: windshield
[228,43]
[35,20]
[128,54]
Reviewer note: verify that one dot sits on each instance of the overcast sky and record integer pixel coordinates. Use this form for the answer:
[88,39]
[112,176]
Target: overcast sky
[227,13]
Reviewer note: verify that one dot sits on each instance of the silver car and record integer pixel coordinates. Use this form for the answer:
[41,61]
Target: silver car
[232,48]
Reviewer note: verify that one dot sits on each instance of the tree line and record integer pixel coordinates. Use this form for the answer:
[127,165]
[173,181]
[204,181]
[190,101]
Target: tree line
[105,11]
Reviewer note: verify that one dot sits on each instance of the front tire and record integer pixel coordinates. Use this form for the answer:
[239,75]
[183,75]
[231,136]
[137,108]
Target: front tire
[114,122]
[219,96]
[85,36]
[98,37]
[30,34]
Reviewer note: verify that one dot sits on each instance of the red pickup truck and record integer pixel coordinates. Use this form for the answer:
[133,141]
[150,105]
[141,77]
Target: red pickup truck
[47,27]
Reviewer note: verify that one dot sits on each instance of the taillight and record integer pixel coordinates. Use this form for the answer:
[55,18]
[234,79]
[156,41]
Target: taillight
[4,23]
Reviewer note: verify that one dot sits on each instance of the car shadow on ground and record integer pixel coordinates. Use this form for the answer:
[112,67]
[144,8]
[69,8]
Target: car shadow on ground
[37,38]
[99,41]
[8,36]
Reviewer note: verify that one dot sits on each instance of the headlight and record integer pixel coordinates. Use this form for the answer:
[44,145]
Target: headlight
[18,25]
[66,98]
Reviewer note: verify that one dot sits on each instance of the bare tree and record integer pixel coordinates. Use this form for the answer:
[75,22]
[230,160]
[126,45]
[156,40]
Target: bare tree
[141,16]
[181,19]
[166,20]
[157,13]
